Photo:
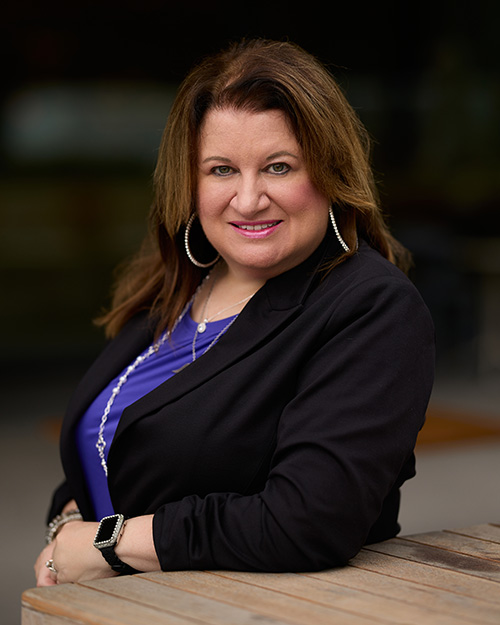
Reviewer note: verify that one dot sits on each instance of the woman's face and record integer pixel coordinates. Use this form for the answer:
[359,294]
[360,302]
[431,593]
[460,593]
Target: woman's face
[256,202]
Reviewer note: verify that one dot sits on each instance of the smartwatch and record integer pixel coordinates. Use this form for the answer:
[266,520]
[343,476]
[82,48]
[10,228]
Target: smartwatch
[108,534]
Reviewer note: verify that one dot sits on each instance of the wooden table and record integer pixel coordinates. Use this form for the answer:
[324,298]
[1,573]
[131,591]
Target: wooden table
[439,578]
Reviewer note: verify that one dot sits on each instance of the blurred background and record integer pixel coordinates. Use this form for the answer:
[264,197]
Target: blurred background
[86,88]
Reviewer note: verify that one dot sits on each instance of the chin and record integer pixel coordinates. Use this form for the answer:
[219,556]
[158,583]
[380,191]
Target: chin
[265,268]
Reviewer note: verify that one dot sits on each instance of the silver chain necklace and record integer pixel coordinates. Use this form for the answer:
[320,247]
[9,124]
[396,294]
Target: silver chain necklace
[154,348]
[202,326]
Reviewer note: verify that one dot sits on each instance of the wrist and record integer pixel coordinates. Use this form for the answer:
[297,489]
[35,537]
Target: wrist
[58,521]
[136,546]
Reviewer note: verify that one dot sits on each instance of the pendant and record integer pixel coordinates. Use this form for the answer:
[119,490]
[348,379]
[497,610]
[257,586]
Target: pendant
[202,327]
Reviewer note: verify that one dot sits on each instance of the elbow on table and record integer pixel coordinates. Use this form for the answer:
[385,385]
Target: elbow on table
[317,551]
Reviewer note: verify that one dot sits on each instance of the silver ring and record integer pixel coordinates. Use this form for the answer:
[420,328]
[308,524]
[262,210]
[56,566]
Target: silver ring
[50,565]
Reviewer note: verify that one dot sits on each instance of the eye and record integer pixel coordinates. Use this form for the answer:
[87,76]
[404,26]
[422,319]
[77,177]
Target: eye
[222,170]
[279,168]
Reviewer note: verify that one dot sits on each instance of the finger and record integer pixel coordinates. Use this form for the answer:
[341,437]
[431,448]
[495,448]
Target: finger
[40,568]
[46,578]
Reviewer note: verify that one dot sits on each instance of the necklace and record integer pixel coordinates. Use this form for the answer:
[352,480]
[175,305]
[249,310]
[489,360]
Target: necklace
[202,326]
[153,349]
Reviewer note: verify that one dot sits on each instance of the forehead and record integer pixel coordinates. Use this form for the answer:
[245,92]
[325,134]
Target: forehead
[237,127]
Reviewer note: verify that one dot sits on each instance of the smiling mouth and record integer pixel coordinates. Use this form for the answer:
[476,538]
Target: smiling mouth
[257,227]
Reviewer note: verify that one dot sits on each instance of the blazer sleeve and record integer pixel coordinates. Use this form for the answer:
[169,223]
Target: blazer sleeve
[344,443]
[60,498]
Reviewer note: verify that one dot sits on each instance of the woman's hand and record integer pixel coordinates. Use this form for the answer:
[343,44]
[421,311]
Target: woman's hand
[74,556]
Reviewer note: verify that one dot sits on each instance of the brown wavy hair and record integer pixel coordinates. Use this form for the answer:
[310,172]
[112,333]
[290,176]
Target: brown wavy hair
[255,75]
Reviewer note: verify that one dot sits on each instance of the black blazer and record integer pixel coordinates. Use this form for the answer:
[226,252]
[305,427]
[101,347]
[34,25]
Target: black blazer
[283,447]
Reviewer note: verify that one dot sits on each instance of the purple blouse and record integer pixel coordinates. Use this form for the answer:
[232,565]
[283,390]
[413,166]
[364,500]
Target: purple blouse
[146,377]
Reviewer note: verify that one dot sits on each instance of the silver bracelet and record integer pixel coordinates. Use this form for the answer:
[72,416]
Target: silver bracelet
[58,521]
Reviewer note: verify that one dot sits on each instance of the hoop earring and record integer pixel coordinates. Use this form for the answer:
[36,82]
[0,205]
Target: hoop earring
[188,251]
[337,233]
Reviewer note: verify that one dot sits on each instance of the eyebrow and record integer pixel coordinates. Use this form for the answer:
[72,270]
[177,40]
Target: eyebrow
[281,153]
[268,158]
[217,158]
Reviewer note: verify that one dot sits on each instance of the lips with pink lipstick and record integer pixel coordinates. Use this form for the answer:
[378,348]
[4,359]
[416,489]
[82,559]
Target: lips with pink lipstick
[256,229]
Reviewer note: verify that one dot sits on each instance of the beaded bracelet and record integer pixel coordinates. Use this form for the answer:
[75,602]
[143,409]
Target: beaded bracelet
[58,521]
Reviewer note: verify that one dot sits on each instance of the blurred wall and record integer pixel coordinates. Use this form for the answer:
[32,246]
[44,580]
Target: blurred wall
[84,96]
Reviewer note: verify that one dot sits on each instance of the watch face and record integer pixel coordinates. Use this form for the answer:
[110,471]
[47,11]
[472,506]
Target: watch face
[108,530]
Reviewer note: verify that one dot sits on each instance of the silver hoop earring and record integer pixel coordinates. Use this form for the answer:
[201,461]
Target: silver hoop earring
[337,233]
[188,251]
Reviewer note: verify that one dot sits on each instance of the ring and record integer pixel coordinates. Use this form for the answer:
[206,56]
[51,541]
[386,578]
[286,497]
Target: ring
[50,565]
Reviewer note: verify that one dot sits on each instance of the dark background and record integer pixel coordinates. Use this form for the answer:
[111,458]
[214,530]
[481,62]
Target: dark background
[84,95]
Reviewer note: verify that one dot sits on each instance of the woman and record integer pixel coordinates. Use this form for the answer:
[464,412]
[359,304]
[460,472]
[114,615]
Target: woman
[270,364]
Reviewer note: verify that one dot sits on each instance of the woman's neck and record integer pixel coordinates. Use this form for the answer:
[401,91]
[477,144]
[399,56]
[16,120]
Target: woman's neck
[223,294]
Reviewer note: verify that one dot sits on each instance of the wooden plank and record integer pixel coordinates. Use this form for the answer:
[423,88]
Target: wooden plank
[323,588]
[80,605]
[460,544]
[30,617]
[486,531]
[168,598]
[425,574]
[414,593]
[263,601]
[437,557]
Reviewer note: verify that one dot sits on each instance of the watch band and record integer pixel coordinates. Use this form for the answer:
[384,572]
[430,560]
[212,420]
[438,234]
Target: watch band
[115,563]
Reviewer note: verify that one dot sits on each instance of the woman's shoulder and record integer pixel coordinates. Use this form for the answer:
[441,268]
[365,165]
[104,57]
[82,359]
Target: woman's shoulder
[368,262]
[368,280]
[366,268]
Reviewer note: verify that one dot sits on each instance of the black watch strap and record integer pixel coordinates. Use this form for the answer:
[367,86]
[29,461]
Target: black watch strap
[115,563]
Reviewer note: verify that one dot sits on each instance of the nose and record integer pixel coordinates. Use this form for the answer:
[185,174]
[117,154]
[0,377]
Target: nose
[250,195]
